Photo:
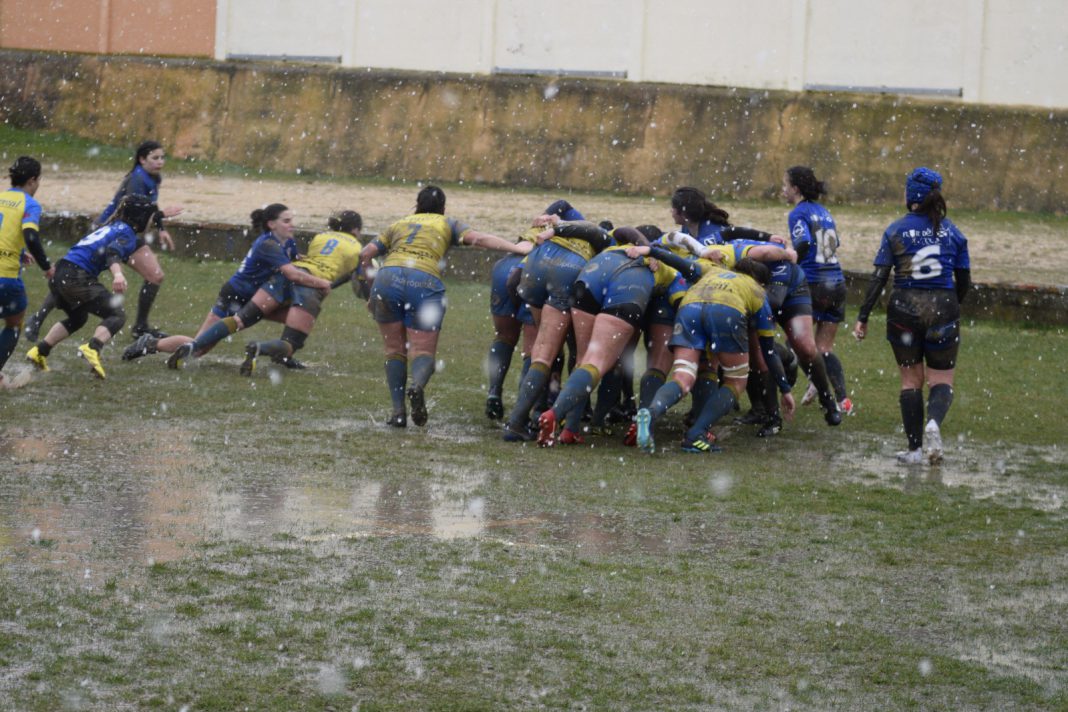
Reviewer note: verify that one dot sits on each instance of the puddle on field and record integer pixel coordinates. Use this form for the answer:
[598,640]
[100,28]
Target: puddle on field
[157,499]
[986,470]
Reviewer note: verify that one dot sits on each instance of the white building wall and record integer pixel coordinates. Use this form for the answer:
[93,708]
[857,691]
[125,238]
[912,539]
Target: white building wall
[988,51]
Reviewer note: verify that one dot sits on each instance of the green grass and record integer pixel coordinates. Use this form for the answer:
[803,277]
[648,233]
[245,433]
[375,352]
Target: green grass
[267,543]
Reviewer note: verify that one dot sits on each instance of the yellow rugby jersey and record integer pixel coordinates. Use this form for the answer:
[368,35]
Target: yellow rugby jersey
[420,241]
[580,247]
[331,255]
[732,289]
[18,211]
[663,277]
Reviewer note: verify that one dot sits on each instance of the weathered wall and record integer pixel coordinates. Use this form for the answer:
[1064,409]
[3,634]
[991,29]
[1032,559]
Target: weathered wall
[581,134]
[1020,304]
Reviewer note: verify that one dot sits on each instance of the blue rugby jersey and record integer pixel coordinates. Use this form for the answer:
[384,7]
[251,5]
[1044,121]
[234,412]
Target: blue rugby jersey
[137,182]
[920,258]
[91,251]
[266,256]
[811,223]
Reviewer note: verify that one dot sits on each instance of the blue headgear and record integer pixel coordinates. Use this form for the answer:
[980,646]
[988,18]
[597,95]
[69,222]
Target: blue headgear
[920,183]
[564,210]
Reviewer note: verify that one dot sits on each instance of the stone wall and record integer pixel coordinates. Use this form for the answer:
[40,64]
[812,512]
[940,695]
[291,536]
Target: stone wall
[541,131]
[1020,304]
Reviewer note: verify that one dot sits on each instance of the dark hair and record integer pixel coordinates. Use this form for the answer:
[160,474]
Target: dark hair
[431,199]
[136,211]
[651,232]
[261,216]
[606,225]
[345,221]
[757,270]
[933,207]
[629,235]
[694,206]
[23,170]
[145,148]
[804,179]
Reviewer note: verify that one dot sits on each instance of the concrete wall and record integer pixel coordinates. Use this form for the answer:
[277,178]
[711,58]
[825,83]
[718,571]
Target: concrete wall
[1024,305]
[543,132]
[980,51]
[163,27]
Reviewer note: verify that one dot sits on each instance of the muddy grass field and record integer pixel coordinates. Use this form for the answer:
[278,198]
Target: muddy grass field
[196,540]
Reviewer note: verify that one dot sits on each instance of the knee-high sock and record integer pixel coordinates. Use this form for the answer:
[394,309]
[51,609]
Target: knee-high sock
[756,390]
[497,363]
[422,370]
[276,348]
[716,406]
[145,298]
[703,389]
[666,396]
[397,380]
[836,374]
[770,395]
[9,337]
[651,381]
[608,392]
[626,375]
[576,392]
[816,371]
[215,333]
[530,391]
[912,416]
[938,402]
[37,318]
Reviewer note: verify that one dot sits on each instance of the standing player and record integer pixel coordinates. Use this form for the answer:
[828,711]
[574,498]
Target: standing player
[408,297]
[815,238]
[143,179]
[78,290]
[20,215]
[932,275]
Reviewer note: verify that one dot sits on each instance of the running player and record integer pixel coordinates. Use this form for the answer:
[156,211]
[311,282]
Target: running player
[143,179]
[20,216]
[78,290]
[932,275]
[407,296]
[816,240]
[333,256]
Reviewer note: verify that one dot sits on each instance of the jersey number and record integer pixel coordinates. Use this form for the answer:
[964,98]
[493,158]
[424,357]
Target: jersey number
[415,231]
[925,263]
[329,246]
[826,247]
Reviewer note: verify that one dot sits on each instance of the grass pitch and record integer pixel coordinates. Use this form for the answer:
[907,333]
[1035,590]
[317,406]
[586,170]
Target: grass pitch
[197,540]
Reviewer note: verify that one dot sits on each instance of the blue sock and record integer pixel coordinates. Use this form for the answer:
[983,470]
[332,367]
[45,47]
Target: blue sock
[608,395]
[666,396]
[9,337]
[497,363]
[214,334]
[397,380]
[575,392]
[716,405]
[704,389]
[529,392]
[422,370]
[939,399]
[650,383]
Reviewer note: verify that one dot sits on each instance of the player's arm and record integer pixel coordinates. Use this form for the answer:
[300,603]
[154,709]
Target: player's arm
[493,242]
[962,280]
[876,283]
[733,232]
[597,236]
[298,276]
[687,242]
[33,244]
[689,269]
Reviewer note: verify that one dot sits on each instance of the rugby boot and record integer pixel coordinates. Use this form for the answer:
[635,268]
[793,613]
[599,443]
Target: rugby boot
[145,344]
[700,446]
[494,408]
[772,427]
[644,420]
[630,438]
[34,356]
[92,357]
[399,419]
[182,354]
[910,457]
[252,352]
[289,362]
[547,429]
[570,437]
[932,434]
[139,330]
[417,405]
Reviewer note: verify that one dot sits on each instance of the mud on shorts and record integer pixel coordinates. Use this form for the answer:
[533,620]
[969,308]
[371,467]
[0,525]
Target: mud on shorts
[718,328]
[828,301]
[229,302]
[404,294]
[548,275]
[923,326]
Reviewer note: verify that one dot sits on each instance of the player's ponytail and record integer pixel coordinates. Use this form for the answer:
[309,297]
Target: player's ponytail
[692,204]
[804,179]
[261,216]
[23,170]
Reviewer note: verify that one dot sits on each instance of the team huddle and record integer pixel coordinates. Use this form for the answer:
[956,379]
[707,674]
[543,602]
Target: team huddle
[703,299]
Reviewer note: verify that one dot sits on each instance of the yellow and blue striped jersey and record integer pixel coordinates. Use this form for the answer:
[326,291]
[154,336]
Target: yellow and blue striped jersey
[331,255]
[420,241]
[18,211]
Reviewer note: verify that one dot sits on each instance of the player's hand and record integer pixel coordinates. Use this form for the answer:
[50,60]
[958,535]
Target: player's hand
[173,211]
[545,235]
[118,285]
[860,330]
[50,273]
[788,406]
[713,254]
[777,239]
[524,247]
[165,240]
[27,259]
[636,251]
